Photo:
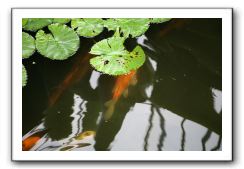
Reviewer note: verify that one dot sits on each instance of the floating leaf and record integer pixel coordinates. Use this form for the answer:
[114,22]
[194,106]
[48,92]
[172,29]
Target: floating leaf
[110,46]
[114,59]
[137,58]
[61,20]
[62,43]
[28,45]
[34,24]
[24,76]
[132,26]
[24,22]
[159,20]
[87,27]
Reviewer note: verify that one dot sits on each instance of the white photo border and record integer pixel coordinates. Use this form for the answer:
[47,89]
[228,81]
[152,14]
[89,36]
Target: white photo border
[227,111]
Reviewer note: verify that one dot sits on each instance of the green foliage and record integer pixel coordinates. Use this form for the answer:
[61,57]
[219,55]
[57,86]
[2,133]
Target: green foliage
[24,22]
[24,76]
[62,43]
[133,26]
[113,59]
[34,24]
[61,20]
[87,27]
[159,20]
[28,45]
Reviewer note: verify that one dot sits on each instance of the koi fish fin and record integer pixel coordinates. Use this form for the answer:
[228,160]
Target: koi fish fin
[110,109]
[126,93]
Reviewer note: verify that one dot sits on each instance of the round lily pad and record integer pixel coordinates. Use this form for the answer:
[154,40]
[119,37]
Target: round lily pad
[34,24]
[137,58]
[159,20]
[62,43]
[24,76]
[87,27]
[110,46]
[24,21]
[113,59]
[28,45]
[61,20]
[131,26]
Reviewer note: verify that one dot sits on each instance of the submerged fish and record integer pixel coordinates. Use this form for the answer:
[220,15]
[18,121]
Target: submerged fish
[85,134]
[121,87]
[30,141]
[77,72]
[71,147]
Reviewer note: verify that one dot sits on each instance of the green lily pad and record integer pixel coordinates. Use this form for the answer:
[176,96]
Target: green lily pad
[24,22]
[34,24]
[24,76]
[62,43]
[28,45]
[87,27]
[137,58]
[114,59]
[159,20]
[61,20]
[132,26]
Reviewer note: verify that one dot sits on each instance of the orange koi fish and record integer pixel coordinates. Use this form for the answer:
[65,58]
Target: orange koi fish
[30,141]
[77,72]
[121,87]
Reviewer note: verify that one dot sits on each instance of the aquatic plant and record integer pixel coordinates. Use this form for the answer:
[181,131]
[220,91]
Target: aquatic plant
[63,41]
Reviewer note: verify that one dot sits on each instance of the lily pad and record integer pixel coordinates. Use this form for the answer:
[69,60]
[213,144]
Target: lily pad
[24,76]
[159,20]
[114,59]
[34,24]
[28,45]
[87,27]
[132,26]
[62,43]
[61,20]
[24,22]
[137,58]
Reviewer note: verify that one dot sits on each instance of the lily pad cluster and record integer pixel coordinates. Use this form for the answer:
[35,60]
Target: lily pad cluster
[61,40]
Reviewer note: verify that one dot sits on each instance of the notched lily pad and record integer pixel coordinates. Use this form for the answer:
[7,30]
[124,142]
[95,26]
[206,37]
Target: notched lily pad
[62,43]
[131,26]
[28,45]
[114,59]
[24,76]
[34,24]
[159,20]
[61,20]
[87,27]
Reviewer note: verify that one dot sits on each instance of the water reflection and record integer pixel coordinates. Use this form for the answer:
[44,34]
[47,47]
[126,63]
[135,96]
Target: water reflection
[183,137]
[176,104]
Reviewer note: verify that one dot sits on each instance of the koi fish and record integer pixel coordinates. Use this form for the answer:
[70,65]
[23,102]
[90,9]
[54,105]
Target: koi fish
[85,134]
[77,72]
[30,141]
[121,87]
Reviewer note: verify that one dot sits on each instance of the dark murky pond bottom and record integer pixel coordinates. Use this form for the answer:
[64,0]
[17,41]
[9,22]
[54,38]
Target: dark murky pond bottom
[176,103]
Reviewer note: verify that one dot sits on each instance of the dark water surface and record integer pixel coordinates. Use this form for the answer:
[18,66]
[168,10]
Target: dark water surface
[175,105]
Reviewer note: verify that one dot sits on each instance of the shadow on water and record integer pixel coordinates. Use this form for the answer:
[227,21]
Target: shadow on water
[183,66]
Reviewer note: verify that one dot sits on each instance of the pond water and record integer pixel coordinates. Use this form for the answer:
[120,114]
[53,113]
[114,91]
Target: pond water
[175,104]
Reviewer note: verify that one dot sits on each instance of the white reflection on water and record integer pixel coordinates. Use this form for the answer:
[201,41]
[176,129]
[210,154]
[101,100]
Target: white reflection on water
[94,79]
[217,100]
[187,137]
[141,40]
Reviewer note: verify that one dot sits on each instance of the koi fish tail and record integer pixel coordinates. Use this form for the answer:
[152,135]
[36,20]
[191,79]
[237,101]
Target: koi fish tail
[110,109]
